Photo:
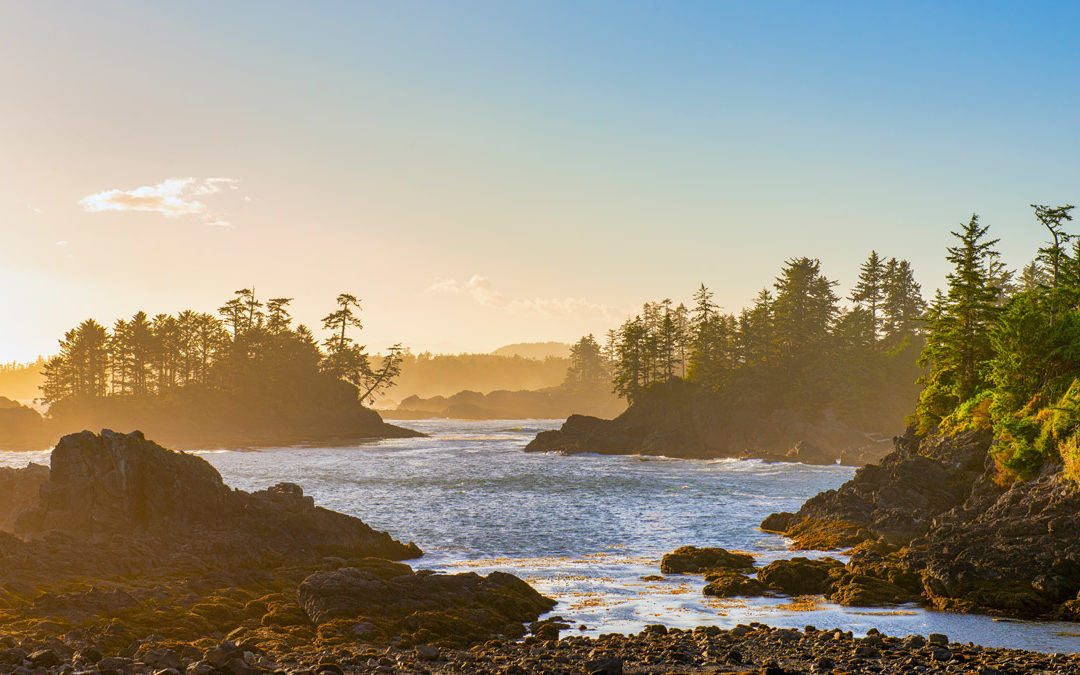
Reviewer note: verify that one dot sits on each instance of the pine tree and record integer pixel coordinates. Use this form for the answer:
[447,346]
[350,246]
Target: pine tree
[959,321]
[587,369]
[1053,254]
[804,308]
[342,359]
[870,289]
[903,307]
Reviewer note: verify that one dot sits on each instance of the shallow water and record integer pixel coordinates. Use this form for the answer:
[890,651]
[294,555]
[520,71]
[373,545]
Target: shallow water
[585,529]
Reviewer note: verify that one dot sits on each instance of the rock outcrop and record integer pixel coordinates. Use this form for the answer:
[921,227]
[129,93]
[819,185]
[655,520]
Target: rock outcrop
[677,419]
[549,403]
[109,485]
[388,600]
[1012,551]
[205,419]
[868,580]
[937,528]
[896,499]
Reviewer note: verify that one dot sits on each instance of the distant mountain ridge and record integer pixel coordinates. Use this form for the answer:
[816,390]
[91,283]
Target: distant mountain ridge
[535,350]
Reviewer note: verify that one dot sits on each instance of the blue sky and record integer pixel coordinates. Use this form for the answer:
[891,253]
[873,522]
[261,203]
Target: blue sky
[485,172]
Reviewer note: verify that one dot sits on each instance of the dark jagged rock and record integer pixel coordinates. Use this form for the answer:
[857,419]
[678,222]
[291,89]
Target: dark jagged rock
[678,419]
[1014,551]
[101,486]
[968,544]
[421,607]
[873,577]
[896,499]
[693,560]
[18,489]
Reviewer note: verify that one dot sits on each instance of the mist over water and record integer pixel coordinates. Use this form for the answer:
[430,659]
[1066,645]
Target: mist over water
[585,529]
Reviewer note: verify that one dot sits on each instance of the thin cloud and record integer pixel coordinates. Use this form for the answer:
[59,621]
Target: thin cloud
[481,290]
[172,198]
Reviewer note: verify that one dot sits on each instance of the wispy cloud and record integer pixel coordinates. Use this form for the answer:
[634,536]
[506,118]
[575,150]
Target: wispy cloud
[172,197]
[481,290]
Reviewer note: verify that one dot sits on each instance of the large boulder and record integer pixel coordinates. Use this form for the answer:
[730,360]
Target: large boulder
[694,560]
[422,607]
[121,482]
[800,576]
[18,490]
[732,583]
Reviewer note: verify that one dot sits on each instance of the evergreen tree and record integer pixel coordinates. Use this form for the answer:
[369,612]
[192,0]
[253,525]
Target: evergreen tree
[804,308]
[1054,253]
[903,307]
[588,368]
[959,322]
[80,370]
[1034,276]
[871,288]
[343,360]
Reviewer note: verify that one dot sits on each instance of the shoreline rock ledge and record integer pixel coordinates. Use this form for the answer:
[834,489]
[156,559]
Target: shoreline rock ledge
[933,519]
[108,485]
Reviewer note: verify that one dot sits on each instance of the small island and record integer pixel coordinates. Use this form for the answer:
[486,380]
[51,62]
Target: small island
[794,377]
[246,377]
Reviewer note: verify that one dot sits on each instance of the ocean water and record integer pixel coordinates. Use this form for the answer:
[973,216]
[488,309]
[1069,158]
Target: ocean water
[586,529]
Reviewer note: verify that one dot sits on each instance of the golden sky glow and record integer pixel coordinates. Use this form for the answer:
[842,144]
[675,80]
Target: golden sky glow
[484,173]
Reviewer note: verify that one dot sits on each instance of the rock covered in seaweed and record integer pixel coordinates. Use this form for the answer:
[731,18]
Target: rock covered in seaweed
[390,599]
[694,560]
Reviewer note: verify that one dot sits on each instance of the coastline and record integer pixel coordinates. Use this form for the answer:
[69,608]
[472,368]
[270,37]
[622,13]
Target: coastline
[649,652]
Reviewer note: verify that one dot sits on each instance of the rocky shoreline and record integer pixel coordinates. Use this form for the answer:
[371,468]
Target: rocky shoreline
[753,649]
[933,522]
[124,557]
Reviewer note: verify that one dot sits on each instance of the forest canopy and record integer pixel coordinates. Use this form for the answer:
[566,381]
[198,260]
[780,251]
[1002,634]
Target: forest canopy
[794,349]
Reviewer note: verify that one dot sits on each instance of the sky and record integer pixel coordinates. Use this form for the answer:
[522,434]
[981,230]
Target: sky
[481,173]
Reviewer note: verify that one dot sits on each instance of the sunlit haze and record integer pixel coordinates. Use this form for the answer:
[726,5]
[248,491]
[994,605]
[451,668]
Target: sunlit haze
[481,173]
